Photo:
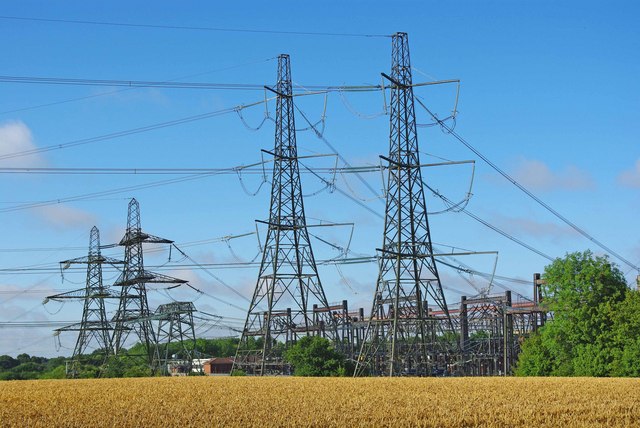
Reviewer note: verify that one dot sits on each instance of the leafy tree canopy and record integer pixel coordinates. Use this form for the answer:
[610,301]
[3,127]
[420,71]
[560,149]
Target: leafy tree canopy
[595,326]
[316,356]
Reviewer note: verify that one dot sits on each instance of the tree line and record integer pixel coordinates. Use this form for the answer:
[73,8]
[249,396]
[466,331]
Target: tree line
[593,330]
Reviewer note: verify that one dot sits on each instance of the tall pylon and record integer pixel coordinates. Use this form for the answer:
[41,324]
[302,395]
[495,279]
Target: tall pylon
[94,327]
[133,311]
[289,301]
[404,336]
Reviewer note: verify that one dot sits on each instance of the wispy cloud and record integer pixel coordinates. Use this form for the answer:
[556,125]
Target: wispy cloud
[16,137]
[64,217]
[133,95]
[530,227]
[536,175]
[631,177]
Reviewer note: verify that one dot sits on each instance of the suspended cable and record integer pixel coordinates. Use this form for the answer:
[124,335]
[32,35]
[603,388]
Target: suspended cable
[120,190]
[333,149]
[189,266]
[342,192]
[102,94]
[490,226]
[191,28]
[177,171]
[527,192]
[211,274]
[127,132]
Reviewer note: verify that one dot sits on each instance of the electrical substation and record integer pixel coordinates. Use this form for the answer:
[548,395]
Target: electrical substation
[409,330]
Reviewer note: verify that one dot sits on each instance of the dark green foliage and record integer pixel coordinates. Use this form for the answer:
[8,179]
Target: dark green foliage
[225,347]
[25,367]
[7,362]
[316,356]
[132,363]
[595,326]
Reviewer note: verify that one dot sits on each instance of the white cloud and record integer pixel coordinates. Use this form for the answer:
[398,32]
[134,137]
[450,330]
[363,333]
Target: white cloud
[526,226]
[631,177]
[536,175]
[15,137]
[64,217]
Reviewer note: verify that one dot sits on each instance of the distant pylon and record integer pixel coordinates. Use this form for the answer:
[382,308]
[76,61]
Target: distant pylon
[289,301]
[133,311]
[176,338]
[404,336]
[94,326]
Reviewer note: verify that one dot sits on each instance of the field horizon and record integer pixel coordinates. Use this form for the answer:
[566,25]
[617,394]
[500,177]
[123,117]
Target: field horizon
[322,402]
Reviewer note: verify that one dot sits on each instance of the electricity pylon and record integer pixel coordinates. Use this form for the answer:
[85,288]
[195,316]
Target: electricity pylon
[176,337]
[95,326]
[133,311]
[404,336]
[288,285]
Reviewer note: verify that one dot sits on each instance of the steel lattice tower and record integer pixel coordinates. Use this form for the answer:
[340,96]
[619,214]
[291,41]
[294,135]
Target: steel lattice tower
[133,311]
[94,326]
[175,326]
[288,284]
[404,336]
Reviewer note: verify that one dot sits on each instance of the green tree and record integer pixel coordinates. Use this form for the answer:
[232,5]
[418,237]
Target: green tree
[626,336]
[57,373]
[584,294]
[7,362]
[315,356]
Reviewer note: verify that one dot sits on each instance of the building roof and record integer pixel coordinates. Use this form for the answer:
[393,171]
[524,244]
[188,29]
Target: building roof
[220,360]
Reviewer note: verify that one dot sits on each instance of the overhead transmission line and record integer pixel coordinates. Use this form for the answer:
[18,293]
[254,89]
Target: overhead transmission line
[527,192]
[436,193]
[132,131]
[445,199]
[103,193]
[129,83]
[192,28]
[160,125]
[174,171]
[300,90]
[175,79]
[202,173]
[173,84]
[188,119]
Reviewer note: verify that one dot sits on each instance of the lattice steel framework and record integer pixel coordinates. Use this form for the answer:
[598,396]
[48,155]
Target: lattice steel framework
[133,311]
[175,327]
[486,332]
[492,328]
[404,336]
[94,327]
[288,283]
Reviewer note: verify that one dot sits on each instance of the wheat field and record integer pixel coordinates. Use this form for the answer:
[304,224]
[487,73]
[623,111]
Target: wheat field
[321,402]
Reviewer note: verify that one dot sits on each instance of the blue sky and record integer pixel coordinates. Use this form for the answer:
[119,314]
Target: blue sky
[549,92]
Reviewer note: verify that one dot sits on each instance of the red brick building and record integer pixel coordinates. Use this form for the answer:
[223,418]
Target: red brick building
[218,366]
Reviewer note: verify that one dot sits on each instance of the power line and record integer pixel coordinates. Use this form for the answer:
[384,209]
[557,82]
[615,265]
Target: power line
[489,225]
[172,84]
[182,266]
[526,191]
[192,28]
[127,132]
[182,245]
[124,189]
[130,83]
[69,100]
[103,193]
[172,171]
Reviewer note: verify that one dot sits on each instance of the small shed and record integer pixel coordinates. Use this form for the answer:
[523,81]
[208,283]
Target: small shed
[220,365]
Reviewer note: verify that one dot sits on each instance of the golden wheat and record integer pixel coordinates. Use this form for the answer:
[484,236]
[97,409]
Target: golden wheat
[321,402]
